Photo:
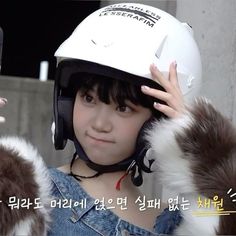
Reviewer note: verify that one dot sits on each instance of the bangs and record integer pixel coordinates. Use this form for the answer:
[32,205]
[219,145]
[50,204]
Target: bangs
[109,89]
[116,90]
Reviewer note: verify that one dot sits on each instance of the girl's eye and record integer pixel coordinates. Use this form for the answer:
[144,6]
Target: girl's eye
[125,109]
[88,98]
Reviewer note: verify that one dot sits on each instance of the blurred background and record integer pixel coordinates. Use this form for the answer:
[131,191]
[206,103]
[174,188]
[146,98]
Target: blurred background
[30,33]
[33,31]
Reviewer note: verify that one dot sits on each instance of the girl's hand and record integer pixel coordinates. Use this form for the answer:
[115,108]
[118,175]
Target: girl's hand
[3,102]
[172,97]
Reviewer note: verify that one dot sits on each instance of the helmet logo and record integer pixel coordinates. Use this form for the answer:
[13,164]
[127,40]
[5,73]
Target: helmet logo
[133,12]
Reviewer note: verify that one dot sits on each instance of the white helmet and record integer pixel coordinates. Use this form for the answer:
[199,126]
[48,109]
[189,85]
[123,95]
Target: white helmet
[121,41]
[130,36]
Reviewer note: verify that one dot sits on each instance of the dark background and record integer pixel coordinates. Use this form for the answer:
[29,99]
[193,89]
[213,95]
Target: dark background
[33,32]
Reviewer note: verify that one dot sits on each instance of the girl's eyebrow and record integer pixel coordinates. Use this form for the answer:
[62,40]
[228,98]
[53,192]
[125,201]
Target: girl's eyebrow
[131,104]
[87,89]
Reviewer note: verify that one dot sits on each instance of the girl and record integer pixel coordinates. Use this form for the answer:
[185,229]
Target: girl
[108,91]
[116,82]
[108,115]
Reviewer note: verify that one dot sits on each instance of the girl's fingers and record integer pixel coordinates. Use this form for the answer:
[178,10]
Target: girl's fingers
[156,93]
[169,84]
[168,98]
[172,96]
[159,78]
[167,110]
[173,107]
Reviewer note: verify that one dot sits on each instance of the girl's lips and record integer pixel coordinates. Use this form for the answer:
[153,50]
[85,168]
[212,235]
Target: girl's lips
[100,139]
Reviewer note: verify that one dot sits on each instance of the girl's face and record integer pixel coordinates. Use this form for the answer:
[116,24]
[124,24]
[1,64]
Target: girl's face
[107,132]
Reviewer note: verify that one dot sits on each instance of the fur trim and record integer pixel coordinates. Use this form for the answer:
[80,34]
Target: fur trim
[167,154]
[24,175]
[195,155]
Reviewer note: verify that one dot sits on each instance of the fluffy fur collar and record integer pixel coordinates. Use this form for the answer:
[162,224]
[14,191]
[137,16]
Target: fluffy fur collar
[195,155]
[25,177]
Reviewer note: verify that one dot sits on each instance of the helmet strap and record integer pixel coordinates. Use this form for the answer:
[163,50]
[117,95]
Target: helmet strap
[127,172]
[136,175]
[79,177]
[122,165]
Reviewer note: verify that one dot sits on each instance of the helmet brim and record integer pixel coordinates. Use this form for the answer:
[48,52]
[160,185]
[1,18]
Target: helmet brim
[67,68]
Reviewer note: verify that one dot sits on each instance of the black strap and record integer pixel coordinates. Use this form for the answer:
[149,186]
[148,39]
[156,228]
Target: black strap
[76,176]
[122,165]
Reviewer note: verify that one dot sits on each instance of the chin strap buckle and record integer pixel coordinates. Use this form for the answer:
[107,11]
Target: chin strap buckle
[118,184]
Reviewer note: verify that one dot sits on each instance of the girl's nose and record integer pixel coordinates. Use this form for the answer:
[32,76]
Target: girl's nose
[103,119]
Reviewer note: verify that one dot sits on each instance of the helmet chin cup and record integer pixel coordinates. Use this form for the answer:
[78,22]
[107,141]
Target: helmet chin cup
[59,140]
[63,114]
[64,122]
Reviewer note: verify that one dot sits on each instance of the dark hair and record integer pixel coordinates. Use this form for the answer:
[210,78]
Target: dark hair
[119,91]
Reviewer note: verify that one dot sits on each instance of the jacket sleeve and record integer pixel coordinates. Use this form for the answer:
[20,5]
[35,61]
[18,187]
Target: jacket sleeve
[196,154]
[24,189]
